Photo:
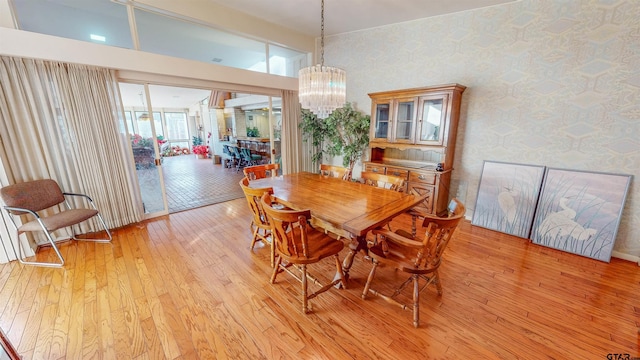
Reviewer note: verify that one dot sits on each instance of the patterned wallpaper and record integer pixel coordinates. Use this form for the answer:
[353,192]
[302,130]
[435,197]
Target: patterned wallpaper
[549,82]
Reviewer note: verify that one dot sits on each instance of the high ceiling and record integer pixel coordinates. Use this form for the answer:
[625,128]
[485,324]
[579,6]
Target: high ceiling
[343,16]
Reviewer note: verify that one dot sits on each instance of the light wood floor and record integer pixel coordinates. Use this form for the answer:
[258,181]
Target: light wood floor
[186,286]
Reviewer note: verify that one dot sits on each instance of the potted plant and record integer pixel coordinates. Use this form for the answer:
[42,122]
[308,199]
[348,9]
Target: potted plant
[345,132]
[201,151]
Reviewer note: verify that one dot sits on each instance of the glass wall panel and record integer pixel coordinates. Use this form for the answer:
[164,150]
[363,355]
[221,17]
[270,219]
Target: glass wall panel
[106,22]
[144,153]
[144,126]
[159,34]
[129,123]
[286,62]
[99,21]
[177,126]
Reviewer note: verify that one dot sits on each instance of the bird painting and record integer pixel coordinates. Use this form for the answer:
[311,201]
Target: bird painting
[562,224]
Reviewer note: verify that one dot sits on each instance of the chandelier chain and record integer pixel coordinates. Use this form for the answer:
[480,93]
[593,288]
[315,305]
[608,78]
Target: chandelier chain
[322,33]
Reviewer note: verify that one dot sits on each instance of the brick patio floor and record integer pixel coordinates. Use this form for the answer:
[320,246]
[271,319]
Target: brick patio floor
[192,182]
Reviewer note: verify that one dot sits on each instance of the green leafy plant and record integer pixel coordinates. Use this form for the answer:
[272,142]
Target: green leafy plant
[197,140]
[345,132]
[253,132]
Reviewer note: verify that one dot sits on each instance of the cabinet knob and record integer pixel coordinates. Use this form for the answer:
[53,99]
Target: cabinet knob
[421,177]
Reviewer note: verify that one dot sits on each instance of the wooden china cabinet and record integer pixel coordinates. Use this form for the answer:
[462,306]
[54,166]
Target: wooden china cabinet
[413,135]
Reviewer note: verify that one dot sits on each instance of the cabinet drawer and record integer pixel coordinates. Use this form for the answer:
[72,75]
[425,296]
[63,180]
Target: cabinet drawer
[422,177]
[374,168]
[398,172]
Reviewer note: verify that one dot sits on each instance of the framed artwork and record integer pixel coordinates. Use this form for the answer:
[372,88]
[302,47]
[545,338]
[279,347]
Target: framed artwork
[507,197]
[579,211]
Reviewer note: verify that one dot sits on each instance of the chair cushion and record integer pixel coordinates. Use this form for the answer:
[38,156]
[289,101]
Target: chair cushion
[60,220]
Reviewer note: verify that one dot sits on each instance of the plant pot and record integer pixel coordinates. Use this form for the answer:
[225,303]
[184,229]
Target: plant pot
[200,156]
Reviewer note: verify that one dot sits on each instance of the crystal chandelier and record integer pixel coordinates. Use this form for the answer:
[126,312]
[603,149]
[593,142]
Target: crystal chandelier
[322,89]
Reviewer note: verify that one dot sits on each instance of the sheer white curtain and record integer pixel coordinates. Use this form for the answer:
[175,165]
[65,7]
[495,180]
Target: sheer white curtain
[296,154]
[61,121]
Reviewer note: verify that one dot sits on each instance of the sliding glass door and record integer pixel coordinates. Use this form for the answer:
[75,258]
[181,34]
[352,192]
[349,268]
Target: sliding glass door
[145,132]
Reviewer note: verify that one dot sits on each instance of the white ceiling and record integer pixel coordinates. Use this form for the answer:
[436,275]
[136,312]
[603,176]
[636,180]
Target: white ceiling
[341,16]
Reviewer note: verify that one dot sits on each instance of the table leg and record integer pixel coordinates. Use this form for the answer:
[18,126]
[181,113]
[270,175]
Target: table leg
[357,243]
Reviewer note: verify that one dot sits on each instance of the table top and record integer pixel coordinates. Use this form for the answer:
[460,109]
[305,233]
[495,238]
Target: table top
[341,206]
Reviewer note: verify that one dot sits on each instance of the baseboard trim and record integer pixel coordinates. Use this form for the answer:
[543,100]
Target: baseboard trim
[624,256]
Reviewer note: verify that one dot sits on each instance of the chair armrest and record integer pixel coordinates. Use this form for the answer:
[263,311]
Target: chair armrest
[418,213]
[398,239]
[23,211]
[79,195]
[82,195]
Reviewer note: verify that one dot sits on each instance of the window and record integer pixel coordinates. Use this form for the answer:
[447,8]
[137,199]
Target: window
[98,21]
[106,22]
[177,128]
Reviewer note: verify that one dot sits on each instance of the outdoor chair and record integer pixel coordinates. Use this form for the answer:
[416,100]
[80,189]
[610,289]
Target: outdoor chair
[249,158]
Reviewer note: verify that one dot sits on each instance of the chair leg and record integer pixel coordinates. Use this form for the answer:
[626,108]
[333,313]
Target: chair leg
[436,279]
[21,256]
[369,280]
[273,251]
[305,300]
[255,236]
[416,300]
[104,226]
[276,269]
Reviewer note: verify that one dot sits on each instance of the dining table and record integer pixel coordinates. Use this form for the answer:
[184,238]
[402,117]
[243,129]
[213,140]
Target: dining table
[346,208]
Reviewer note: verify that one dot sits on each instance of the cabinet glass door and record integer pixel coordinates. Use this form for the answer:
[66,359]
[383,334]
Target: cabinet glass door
[382,121]
[405,117]
[432,120]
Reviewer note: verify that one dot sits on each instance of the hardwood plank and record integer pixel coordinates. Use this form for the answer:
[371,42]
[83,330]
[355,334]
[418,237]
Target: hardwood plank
[76,312]
[63,316]
[162,329]
[14,296]
[32,327]
[154,346]
[174,321]
[42,347]
[9,287]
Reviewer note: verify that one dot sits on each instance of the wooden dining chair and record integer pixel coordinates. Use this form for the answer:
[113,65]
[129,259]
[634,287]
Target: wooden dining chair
[261,171]
[298,244]
[416,214]
[334,171]
[38,204]
[259,226]
[390,182]
[420,258]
